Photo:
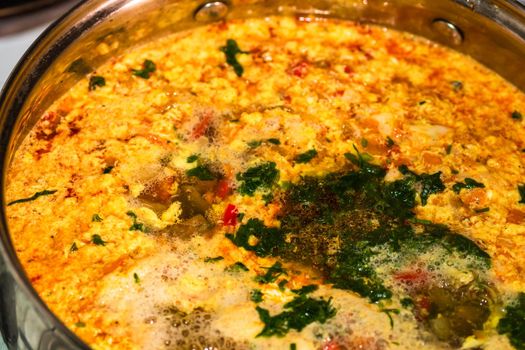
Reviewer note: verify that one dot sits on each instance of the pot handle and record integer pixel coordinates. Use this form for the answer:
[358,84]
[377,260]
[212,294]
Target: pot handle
[8,324]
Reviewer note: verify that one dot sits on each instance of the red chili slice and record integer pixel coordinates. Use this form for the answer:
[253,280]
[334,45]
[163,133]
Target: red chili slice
[230,215]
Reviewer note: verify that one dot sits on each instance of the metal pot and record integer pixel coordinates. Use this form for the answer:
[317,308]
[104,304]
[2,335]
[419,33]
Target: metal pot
[492,31]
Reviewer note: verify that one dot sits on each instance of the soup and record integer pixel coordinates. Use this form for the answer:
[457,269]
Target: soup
[291,183]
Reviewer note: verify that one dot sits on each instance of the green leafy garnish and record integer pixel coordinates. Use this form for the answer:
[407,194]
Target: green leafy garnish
[274,141]
[33,197]
[80,67]
[256,296]
[482,210]
[467,184]
[306,156]
[148,67]
[136,278]
[513,324]
[388,313]
[273,273]
[96,218]
[262,176]
[389,142]
[429,183]
[456,85]
[516,115]
[136,226]
[107,169]
[192,158]
[211,260]
[297,314]
[521,191]
[96,81]
[231,50]
[201,172]
[306,289]
[254,144]
[268,238]
[237,267]
[73,247]
[364,142]
[448,148]
[97,240]
[80,324]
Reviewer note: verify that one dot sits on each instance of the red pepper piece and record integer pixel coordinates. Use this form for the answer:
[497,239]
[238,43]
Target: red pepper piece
[230,215]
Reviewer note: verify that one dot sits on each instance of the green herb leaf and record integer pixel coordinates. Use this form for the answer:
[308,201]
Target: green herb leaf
[448,148]
[516,115]
[262,176]
[201,172]
[96,81]
[299,313]
[192,158]
[80,324]
[96,218]
[73,247]
[306,289]
[237,267]
[231,50]
[429,183]
[467,184]
[482,210]
[107,169]
[33,197]
[97,240]
[364,142]
[456,85]
[268,238]
[148,67]
[256,296]
[136,278]
[274,141]
[306,156]
[254,144]
[521,191]
[388,313]
[211,260]
[389,142]
[513,324]
[80,67]
[273,273]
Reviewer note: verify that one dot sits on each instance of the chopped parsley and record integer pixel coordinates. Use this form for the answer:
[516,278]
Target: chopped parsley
[231,50]
[73,247]
[107,169]
[96,81]
[521,191]
[148,67]
[306,289]
[33,197]
[256,296]
[97,240]
[306,156]
[80,67]
[257,143]
[237,267]
[389,142]
[96,218]
[428,183]
[513,323]
[364,142]
[212,260]
[482,210]
[388,312]
[135,226]
[136,278]
[516,115]
[467,184]
[202,172]
[448,148]
[273,141]
[192,158]
[273,273]
[456,85]
[80,324]
[262,176]
[268,239]
[297,314]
